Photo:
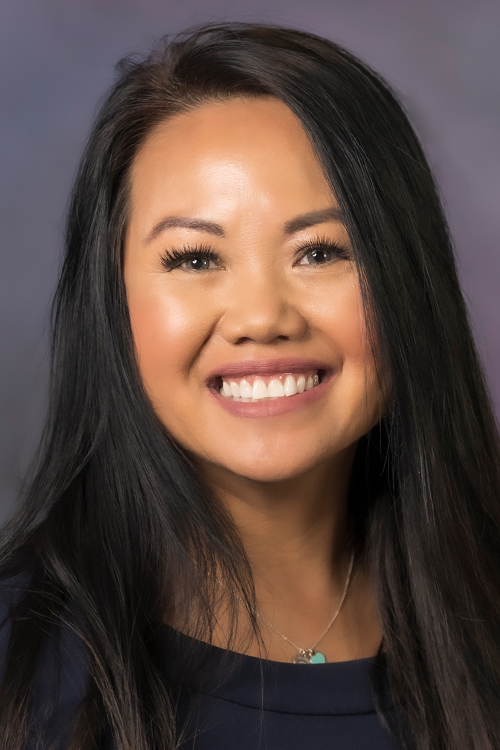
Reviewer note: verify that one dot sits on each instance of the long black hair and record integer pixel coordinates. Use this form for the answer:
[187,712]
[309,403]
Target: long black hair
[116,516]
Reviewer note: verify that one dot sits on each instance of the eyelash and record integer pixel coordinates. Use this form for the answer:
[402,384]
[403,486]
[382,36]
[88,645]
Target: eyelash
[174,258]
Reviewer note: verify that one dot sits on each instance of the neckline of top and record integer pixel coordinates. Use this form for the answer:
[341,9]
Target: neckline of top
[340,688]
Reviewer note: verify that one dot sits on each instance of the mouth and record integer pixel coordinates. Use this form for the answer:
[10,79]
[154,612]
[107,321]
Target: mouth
[271,387]
[260,387]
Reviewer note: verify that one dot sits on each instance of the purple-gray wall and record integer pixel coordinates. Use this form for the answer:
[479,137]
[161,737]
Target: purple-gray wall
[56,60]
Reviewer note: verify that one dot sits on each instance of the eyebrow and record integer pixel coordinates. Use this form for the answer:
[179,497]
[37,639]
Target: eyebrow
[313,217]
[200,225]
[186,222]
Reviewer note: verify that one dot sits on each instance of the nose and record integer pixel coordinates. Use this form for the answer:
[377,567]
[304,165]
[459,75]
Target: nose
[262,310]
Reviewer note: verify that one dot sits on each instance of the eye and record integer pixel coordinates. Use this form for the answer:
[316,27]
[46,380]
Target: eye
[317,255]
[198,263]
[320,252]
[192,259]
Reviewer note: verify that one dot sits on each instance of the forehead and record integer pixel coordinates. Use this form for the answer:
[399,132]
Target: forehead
[224,155]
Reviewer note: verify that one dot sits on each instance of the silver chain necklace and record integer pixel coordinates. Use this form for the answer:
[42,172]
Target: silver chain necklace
[307,655]
[310,655]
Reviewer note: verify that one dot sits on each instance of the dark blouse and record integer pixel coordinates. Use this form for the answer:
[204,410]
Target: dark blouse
[243,703]
[268,705]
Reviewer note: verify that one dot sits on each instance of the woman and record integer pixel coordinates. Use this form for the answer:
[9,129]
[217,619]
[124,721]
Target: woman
[270,443]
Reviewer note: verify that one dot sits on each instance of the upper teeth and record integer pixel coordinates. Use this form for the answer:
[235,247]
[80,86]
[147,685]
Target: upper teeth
[255,388]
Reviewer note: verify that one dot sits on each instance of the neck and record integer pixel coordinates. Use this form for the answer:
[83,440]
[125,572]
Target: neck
[297,537]
[295,531]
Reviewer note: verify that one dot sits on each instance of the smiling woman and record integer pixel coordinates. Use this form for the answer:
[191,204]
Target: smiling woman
[270,443]
[249,282]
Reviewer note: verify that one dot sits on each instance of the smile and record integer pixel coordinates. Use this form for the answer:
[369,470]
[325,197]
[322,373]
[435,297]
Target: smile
[251,388]
[269,388]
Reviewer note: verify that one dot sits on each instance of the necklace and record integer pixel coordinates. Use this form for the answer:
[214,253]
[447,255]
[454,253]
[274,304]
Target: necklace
[310,655]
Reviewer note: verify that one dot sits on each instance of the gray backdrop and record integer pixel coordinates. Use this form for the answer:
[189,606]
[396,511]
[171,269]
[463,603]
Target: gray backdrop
[56,60]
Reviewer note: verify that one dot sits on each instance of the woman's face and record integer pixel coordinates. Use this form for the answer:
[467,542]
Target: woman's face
[245,306]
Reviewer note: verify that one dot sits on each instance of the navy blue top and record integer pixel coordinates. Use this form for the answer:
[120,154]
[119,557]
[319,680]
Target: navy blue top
[269,705]
[244,703]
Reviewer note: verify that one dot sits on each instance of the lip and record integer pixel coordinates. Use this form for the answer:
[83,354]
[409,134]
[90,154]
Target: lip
[271,407]
[267,367]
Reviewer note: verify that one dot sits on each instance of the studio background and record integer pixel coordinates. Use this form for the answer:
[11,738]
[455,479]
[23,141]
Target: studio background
[56,61]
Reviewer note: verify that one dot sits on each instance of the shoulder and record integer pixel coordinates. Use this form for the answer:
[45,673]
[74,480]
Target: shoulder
[61,676]
[15,577]
[11,591]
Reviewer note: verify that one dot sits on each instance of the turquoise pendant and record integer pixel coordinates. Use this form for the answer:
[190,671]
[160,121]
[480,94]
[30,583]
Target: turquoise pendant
[309,657]
[318,658]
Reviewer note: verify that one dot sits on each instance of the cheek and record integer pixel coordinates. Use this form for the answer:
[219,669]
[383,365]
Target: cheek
[358,395]
[167,333]
[343,321]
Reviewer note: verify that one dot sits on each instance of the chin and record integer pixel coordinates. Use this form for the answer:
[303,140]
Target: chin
[270,469]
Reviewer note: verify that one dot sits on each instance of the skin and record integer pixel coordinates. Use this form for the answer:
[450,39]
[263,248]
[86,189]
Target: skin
[248,166]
